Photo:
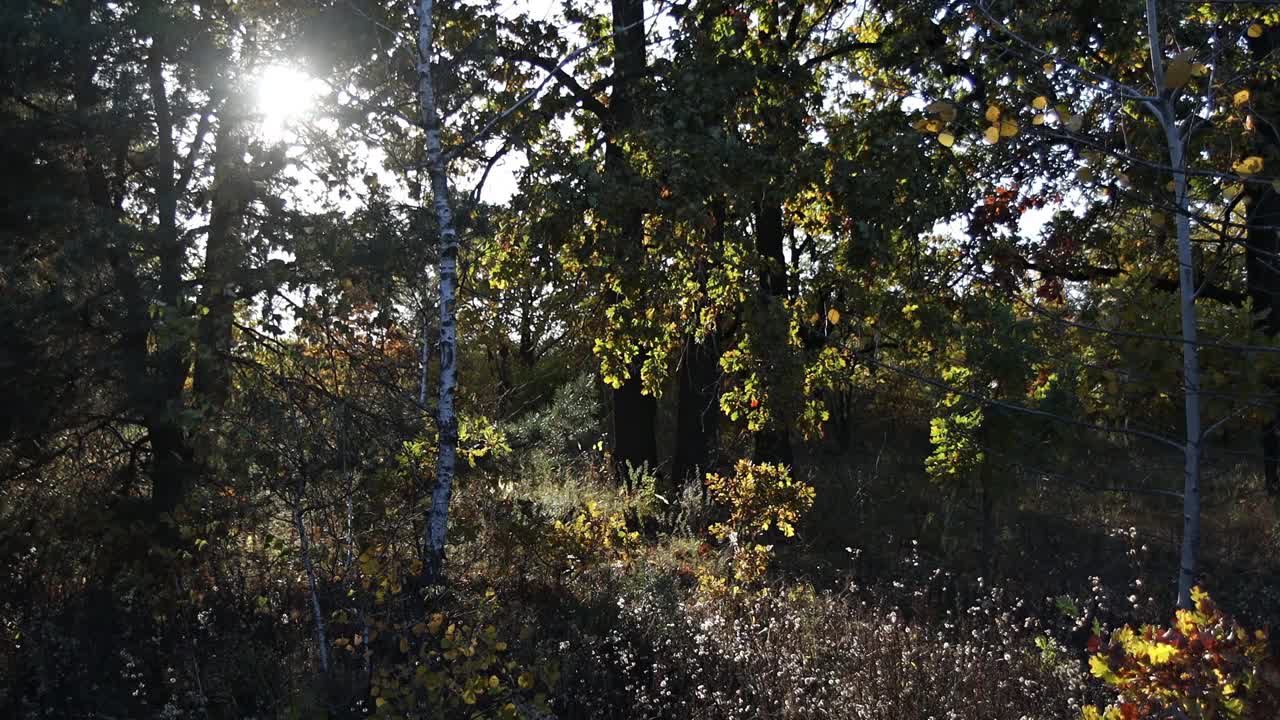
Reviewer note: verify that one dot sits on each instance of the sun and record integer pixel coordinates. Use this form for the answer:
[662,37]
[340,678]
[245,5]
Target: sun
[284,94]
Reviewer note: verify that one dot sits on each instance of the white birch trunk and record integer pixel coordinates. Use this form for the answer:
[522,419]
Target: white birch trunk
[446,420]
[1164,111]
[1190,371]
[317,613]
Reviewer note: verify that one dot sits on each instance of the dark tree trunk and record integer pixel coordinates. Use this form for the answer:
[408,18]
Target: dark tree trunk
[635,414]
[1262,256]
[773,443]
[697,409]
[223,259]
[172,465]
[1262,262]
[171,453]
[697,413]
[987,533]
[770,239]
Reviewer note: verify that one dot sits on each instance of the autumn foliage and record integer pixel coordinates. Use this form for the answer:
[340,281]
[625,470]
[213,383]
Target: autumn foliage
[1204,665]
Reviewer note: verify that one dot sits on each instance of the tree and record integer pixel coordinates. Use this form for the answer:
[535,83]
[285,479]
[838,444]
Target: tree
[1182,114]
[446,419]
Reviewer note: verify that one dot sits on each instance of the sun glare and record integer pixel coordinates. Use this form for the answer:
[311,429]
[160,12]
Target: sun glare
[283,95]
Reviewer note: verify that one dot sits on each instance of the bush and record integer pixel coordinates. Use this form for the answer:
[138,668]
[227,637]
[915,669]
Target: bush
[1204,665]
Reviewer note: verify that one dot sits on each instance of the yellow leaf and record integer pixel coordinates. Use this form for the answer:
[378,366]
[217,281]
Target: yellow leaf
[1255,31]
[1240,98]
[493,681]
[932,126]
[1161,653]
[1008,128]
[1249,166]
[833,316]
[992,135]
[922,124]
[1040,103]
[1038,119]
[404,645]
[1098,668]
[1178,72]
[814,319]
[1048,67]
[993,113]
[525,680]
[947,139]
[1199,69]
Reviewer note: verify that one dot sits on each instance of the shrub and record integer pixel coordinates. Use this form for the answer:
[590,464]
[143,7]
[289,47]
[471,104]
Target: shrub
[759,497]
[1205,665]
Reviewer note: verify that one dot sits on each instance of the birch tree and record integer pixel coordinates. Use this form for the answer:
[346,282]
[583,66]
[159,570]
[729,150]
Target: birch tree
[1193,67]
[1177,133]
[447,269]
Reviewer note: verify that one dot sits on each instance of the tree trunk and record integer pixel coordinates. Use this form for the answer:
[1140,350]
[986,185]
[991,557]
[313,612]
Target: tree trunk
[1165,115]
[697,409]
[697,413]
[1262,263]
[317,612]
[635,413]
[1190,372]
[446,420]
[172,458]
[987,531]
[773,443]
[223,257]
[1262,252]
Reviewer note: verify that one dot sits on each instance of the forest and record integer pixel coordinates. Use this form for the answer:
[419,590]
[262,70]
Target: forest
[868,359]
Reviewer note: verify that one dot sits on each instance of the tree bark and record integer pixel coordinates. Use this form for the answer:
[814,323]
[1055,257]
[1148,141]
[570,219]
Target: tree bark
[317,612]
[1165,115]
[446,420]
[223,257]
[635,413]
[1262,253]
[1262,267]
[172,456]
[773,443]
[1190,371]
[697,409]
